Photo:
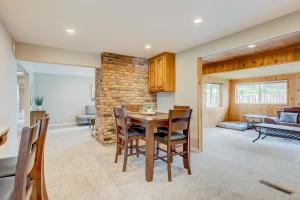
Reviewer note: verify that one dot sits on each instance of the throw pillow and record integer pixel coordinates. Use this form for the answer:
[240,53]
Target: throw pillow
[288,117]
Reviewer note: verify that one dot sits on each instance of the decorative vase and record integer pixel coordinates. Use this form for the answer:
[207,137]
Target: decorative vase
[39,108]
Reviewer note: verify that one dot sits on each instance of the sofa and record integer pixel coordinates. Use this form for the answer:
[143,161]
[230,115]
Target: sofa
[90,113]
[289,116]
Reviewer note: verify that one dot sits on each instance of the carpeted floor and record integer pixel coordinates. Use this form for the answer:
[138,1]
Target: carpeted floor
[78,167]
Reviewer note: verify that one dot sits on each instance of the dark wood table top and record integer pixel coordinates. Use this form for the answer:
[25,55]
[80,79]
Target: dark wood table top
[147,118]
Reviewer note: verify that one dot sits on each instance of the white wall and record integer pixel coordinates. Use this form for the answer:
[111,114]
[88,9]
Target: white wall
[8,93]
[37,53]
[65,96]
[186,61]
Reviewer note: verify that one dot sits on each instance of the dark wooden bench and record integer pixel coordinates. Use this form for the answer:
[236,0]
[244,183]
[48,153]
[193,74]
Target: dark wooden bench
[276,130]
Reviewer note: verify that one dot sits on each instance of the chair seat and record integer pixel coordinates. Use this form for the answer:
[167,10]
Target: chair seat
[162,129]
[7,188]
[175,136]
[8,166]
[138,128]
[132,132]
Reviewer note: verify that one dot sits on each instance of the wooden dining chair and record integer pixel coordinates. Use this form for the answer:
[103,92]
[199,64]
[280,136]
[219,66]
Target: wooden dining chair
[179,121]
[176,107]
[133,108]
[8,165]
[21,186]
[125,136]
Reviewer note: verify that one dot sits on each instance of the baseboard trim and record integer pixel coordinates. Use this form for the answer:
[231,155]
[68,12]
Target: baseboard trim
[63,124]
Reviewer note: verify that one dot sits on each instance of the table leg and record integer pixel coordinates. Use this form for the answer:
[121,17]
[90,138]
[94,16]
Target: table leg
[149,166]
[259,134]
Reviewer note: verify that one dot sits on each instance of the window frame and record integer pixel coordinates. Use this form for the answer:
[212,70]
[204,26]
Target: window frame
[259,92]
[221,95]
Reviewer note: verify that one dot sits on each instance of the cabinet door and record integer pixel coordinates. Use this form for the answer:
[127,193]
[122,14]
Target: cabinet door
[152,76]
[161,72]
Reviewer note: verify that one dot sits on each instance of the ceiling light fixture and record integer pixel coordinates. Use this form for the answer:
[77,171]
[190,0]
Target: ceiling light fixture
[70,31]
[251,46]
[197,20]
[148,46]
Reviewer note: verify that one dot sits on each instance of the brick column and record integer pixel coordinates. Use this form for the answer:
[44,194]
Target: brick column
[120,80]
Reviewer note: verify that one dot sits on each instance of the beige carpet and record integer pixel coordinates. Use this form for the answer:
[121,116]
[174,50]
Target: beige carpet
[78,167]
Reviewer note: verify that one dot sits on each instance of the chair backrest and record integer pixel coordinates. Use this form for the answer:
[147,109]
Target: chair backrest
[121,120]
[176,107]
[24,183]
[38,172]
[132,107]
[179,120]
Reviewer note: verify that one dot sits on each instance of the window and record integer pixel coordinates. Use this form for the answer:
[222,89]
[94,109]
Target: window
[262,93]
[213,95]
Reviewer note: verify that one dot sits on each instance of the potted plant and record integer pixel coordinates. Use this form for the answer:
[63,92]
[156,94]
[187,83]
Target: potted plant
[39,102]
[149,108]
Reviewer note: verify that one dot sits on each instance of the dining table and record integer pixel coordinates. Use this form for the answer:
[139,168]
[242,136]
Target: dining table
[151,122]
[3,135]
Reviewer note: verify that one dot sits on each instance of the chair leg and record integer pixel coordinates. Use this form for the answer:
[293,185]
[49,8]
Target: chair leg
[121,142]
[131,146]
[186,158]
[174,149]
[189,159]
[157,148]
[125,155]
[137,147]
[169,163]
[117,150]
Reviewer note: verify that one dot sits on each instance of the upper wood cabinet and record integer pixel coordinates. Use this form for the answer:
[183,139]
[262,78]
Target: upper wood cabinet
[162,73]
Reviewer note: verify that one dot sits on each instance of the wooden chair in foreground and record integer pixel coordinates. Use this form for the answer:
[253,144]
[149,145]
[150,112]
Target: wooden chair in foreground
[8,165]
[179,121]
[125,136]
[21,186]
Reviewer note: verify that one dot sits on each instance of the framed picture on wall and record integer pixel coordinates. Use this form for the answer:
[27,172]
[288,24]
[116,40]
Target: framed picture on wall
[93,92]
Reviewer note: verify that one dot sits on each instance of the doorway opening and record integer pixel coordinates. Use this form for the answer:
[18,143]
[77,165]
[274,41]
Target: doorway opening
[64,92]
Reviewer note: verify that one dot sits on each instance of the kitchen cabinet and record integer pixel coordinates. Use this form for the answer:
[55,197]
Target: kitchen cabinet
[162,73]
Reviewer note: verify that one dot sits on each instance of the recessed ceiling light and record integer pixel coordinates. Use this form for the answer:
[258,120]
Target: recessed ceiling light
[148,46]
[251,46]
[70,31]
[197,20]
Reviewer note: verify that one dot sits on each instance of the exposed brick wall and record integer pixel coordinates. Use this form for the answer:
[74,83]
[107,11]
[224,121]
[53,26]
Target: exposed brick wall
[120,80]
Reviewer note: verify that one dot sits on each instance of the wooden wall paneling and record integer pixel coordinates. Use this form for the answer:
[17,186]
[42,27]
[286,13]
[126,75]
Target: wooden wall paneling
[287,40]
[290,54]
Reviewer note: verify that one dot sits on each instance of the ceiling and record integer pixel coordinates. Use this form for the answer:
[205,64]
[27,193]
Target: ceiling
[126,26]
[288,40]
[259,71]
[45,68]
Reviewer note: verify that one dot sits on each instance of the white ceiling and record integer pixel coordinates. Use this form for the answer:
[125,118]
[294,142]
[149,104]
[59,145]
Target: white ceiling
[45,68]
[260,71]
[124,26]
